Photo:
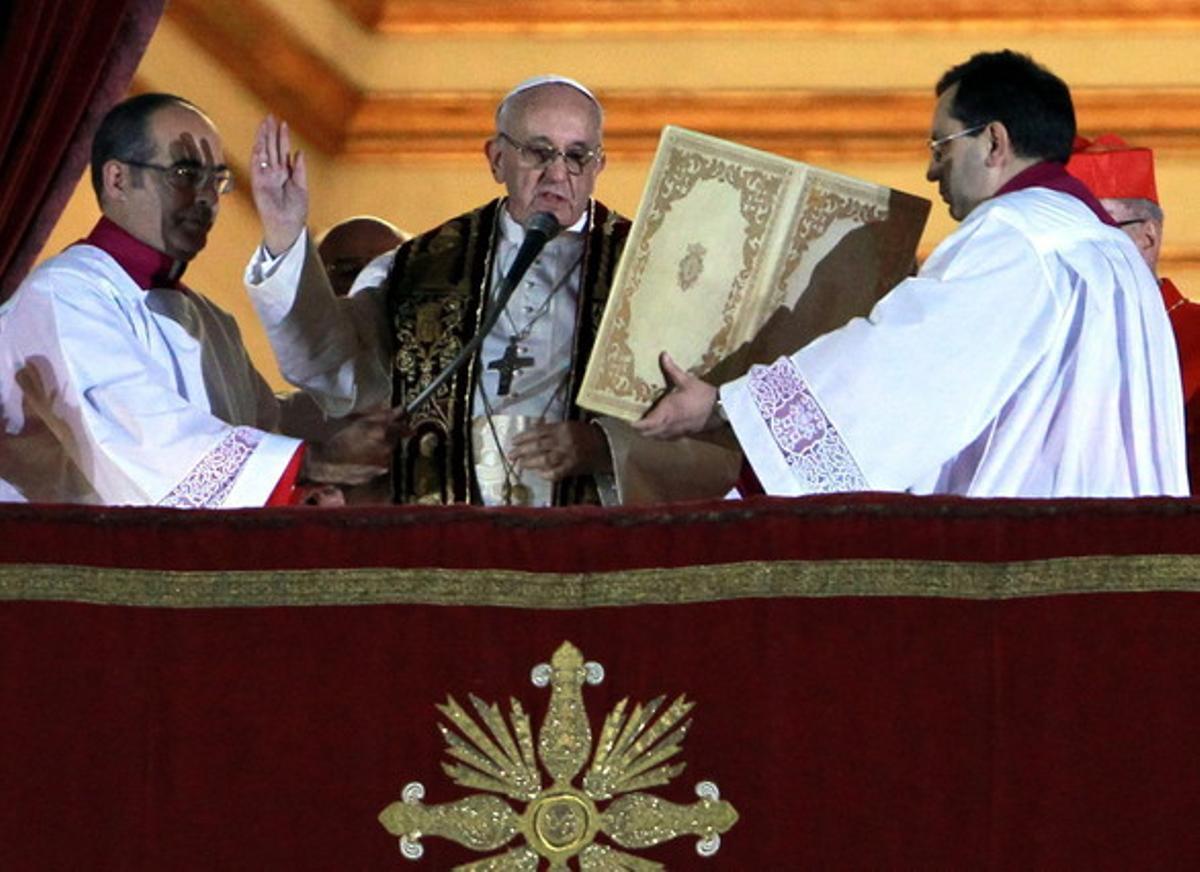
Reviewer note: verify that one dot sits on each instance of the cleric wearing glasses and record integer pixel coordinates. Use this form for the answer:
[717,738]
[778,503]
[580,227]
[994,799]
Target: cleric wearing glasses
[505,429]
[121,385]
[1031,356]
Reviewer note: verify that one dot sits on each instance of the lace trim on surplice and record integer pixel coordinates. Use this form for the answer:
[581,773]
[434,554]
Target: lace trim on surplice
[809,442]
[209,482]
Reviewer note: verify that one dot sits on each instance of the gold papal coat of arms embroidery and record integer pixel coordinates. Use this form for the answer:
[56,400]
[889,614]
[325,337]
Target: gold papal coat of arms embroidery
[561,822]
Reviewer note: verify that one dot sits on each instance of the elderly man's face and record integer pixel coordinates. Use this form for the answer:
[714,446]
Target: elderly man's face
[1139,225]
[171,210]
[958,164]
[554,117]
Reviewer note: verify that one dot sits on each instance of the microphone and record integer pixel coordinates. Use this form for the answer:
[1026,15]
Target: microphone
[540,228]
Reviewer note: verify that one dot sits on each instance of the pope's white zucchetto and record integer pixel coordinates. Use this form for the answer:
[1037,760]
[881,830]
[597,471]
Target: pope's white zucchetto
[550,79]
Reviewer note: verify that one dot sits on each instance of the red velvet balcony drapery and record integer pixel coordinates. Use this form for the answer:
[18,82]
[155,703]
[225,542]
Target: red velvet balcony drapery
[65,63]
[879,682]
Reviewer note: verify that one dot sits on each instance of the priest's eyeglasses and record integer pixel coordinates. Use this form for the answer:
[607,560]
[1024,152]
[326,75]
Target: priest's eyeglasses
[536,156]
[190,176]
[935,145]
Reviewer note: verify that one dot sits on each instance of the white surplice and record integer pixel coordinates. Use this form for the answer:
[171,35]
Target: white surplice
[1031,356]
[114,395]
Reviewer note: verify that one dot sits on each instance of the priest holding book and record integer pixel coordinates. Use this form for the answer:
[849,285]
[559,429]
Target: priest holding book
[1031,356]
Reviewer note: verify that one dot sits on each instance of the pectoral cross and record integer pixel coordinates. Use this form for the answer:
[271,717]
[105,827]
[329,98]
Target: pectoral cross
[508,364]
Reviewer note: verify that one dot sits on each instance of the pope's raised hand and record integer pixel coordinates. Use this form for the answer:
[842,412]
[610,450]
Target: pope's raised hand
[279,183]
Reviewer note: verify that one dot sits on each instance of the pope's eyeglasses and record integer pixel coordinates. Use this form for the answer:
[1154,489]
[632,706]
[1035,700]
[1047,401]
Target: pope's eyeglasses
[537,156]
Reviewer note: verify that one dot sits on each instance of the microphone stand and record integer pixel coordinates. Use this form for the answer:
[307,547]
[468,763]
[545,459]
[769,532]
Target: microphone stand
[539,229]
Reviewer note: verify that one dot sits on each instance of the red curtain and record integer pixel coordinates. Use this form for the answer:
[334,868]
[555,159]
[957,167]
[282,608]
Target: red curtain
[65,63]
[881,682]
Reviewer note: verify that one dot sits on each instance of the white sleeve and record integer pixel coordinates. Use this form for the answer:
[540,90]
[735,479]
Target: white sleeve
[337,349]
[95,381]
[887,399]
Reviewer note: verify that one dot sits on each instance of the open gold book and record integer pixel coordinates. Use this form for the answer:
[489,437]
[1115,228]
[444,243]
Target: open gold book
[737,256]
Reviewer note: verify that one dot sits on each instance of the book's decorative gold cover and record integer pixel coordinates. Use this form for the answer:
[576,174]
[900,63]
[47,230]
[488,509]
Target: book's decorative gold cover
[737,256]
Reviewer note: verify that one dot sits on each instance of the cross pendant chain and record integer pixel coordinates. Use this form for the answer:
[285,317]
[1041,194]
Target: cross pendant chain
[511,361]
[508,364]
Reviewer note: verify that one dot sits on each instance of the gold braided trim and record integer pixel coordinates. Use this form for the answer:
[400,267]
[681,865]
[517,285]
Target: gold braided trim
[549,590]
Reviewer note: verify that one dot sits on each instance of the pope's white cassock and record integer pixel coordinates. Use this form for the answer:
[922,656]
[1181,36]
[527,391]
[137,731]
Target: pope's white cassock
[1031,356]
[111,394]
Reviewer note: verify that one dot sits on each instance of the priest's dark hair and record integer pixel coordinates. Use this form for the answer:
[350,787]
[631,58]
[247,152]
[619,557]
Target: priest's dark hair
[124,133]
[1032,103]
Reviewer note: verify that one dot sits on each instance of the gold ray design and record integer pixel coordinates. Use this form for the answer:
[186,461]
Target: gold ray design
[560,823]
[504,769]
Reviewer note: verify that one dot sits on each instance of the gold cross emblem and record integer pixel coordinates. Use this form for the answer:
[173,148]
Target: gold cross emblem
[560,822]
